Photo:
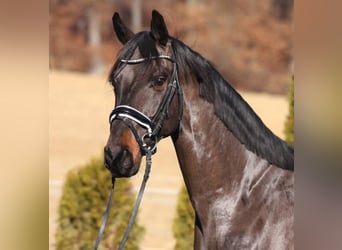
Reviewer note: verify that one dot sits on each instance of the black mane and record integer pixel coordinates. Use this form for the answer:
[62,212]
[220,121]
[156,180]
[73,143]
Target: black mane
[232,109]
[229,106]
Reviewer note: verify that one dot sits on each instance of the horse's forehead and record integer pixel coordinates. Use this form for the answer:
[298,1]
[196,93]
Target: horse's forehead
[162,50]
[123,55]
[165,50]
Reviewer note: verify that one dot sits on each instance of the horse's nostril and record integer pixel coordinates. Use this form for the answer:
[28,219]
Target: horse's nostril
[119,161]
[124,159]
[124,153]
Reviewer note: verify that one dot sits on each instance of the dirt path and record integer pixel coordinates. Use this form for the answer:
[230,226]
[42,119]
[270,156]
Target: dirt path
[79,109]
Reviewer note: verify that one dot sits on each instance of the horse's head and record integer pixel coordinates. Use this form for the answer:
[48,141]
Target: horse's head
[145,82]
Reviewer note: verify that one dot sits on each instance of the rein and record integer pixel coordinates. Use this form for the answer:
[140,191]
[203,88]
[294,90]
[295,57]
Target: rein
[148,141]
[135,210]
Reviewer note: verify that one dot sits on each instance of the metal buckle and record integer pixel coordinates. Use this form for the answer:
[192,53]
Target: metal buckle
[149,142]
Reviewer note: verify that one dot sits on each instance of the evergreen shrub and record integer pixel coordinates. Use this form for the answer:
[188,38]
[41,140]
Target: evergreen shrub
[289,123]
[85,195]
[183,224]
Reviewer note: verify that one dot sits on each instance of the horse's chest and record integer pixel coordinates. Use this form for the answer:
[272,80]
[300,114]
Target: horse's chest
[232,225]
[220,219]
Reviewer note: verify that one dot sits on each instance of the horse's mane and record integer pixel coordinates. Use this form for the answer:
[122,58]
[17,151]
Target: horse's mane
[232,109]
[229,106]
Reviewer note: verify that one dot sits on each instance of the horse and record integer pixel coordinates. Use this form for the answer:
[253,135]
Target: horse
[238,174]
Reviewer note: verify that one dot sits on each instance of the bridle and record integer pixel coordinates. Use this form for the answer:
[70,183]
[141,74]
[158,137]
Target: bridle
[153,126]
[148,141]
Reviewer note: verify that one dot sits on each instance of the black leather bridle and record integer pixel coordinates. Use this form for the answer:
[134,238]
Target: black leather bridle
[147,142]
[153,126]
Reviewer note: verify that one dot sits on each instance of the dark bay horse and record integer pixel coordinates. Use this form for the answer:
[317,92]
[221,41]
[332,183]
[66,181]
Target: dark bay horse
[239,175]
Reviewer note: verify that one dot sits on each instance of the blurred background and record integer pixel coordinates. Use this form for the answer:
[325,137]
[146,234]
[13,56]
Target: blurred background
[249,42]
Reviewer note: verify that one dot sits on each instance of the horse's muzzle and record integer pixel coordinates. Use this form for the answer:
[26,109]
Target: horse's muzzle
[120,162]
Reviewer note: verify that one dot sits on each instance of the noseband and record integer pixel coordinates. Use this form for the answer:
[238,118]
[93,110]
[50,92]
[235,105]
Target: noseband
[153,126]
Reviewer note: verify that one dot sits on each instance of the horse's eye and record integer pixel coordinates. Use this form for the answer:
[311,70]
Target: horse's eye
[159,81]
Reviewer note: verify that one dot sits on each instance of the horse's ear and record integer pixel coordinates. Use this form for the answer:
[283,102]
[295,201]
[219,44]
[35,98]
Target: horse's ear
[158,28]
[123,33]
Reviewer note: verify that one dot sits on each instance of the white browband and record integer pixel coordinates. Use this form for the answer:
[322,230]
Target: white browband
[140,60]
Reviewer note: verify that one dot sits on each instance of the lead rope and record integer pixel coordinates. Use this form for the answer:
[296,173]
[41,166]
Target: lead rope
[137,203]
[105,217]
[136,207]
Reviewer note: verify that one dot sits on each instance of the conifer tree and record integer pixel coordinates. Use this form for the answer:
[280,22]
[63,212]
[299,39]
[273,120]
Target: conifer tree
[183,224]
[289,123]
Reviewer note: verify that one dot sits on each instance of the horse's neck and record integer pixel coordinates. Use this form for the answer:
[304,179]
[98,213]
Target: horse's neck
[212,160]
[204,144]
